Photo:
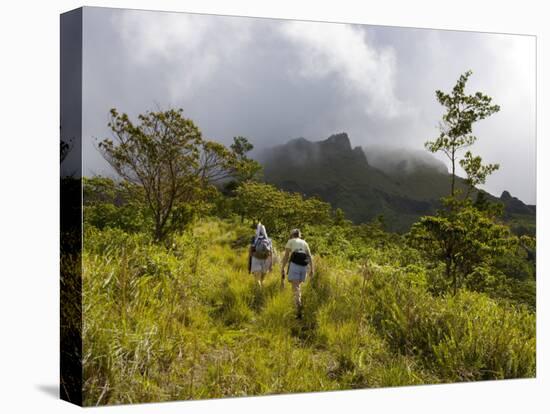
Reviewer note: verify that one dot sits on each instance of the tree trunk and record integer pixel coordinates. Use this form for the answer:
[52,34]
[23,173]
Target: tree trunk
[159,233]
[453,175]
[450,273]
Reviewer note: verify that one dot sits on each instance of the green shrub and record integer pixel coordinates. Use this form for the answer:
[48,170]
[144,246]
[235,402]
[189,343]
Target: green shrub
[464,337]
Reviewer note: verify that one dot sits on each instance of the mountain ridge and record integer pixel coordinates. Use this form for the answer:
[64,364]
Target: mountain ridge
[342,175]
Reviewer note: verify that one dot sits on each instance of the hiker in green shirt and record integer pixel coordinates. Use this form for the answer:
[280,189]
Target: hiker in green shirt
[298,255]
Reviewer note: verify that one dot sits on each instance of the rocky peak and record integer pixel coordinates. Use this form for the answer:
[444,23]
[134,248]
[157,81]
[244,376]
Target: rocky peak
[505,196]
[513,205]
[340,141]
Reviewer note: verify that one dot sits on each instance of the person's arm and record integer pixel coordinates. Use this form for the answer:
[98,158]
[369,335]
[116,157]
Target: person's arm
[274,256]
[284,262]
[311,265]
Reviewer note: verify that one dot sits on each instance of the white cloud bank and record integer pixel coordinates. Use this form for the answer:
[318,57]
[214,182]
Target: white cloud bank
[193,48]
[343,50]
[200,46]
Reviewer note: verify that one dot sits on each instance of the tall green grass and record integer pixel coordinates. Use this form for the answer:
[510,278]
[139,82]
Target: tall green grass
[187,321]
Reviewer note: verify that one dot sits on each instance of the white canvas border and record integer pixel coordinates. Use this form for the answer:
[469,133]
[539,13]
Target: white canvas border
[29,210]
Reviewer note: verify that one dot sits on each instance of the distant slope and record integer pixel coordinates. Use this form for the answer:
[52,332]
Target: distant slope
[402,187]
[417,173]
[520,216]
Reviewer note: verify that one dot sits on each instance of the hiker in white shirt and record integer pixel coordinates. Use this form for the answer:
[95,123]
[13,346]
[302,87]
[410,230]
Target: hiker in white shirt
[298,255]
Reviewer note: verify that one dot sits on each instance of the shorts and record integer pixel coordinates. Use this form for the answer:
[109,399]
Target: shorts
[297,272]
[260,265]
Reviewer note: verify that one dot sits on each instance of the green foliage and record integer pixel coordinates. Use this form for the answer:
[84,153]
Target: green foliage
[465,235]
[100,190]
[476,172]
[339,217]
[491,209]
[488,280]
[522,225]
[462,111]
[108,203]
[515,263]
[187,321]
[278,210]
[462,237]
[128,217]
[164,157]
[243,168]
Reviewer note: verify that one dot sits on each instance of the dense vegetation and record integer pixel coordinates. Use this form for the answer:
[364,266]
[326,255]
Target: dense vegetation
[187,321]
[170,311]
[183,319]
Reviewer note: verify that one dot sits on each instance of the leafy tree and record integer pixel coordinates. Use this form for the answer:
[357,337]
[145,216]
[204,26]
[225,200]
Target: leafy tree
[159,154]
[244,169]
[462,111]
[99,190]
[518,262]
[278,210]
[476,172]
[339,218]
[462,237]
[218,163]
[166,158]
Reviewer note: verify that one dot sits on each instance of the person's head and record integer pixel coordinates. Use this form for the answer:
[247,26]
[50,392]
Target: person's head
[295,233]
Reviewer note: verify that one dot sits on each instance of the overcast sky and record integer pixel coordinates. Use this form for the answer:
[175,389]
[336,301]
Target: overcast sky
[273,80]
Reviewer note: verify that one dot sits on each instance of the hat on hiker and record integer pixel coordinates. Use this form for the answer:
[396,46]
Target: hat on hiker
[261,231]
[295,233]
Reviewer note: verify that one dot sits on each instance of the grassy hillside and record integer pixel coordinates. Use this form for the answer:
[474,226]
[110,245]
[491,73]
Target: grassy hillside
[186,321]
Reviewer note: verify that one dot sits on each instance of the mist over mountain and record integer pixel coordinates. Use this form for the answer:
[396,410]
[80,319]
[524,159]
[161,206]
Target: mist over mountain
[402,160]
[399,184]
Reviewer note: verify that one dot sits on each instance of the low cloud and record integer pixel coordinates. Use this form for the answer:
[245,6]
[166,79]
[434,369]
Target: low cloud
[402,160]
[343,51]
